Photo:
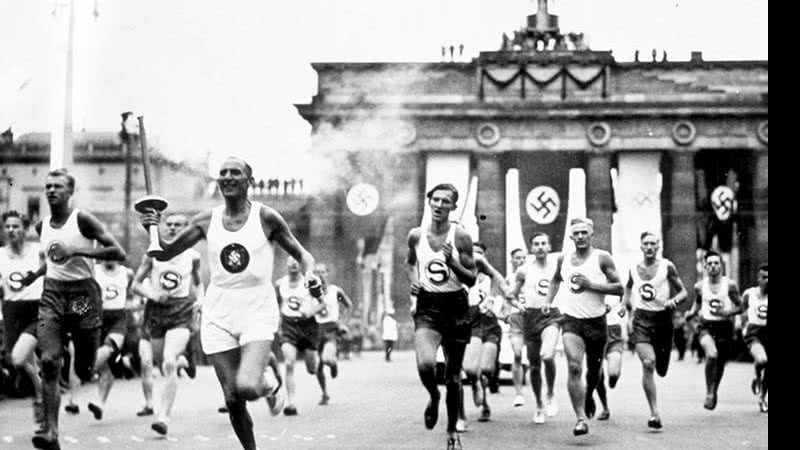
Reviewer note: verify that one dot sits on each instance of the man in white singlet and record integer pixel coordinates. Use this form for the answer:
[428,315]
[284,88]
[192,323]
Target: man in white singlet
[539,326]
[71,299]
[514,320]
[172,292]
[114,280]
[439,265]
[21,303]
[590,275]
[336,305]
[654,290]
[717,302]
[299,330]
[755,303]
[240,312]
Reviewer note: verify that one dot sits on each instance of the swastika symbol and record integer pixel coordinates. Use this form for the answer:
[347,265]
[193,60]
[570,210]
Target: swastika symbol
[644,197]
[723,200]
[542,204]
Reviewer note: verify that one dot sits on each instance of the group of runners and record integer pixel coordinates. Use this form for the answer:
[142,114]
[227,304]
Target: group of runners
[578,295]
[71,288]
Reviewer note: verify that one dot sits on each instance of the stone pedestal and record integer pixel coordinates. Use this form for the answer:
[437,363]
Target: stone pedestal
[680,239]
[490,210]
[599,197]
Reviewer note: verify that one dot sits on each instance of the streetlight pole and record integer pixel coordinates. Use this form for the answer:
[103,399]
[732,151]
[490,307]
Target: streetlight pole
[128,130]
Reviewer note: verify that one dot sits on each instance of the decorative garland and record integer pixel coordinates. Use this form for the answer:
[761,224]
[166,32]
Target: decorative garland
[563,73]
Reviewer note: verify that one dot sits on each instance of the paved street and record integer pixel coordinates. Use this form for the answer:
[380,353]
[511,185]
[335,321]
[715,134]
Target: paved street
[379,405]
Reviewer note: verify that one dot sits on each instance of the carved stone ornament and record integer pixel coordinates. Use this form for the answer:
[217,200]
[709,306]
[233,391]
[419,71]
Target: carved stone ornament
[406,134]
[762,132]
[598,133]
[487,134]
[683,132]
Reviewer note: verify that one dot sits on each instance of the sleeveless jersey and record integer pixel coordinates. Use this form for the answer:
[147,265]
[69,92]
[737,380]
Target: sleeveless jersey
[756,307]
[719,301]
[174,277]
[295,298]
[13,268]
[576,301]
[434,273]
[330,313]
[113,285]
[481,289]
[239,259]
[537,281]
[650,295]
[612,316]
[66,269]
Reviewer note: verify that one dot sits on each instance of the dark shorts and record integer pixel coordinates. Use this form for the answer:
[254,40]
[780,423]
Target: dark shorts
[593,331]
[302,333]
[328,331]
[654,328]
[614,342]
[75,304]
[162,317]
[534,321]
[114,321]
[756,333]
[719,330]
[446,313]
[19,316]
[485,326]
[515,323]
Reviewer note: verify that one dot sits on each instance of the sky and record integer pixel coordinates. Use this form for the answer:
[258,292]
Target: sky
[221,78]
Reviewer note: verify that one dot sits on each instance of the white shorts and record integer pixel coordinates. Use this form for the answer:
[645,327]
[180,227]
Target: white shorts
[234,317]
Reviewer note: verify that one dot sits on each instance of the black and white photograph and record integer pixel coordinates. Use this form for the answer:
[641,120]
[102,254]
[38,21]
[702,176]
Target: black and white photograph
[362,224]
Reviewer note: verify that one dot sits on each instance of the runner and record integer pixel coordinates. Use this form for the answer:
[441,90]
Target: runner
[754,303]
[516,337]
[613,354]
[328,319]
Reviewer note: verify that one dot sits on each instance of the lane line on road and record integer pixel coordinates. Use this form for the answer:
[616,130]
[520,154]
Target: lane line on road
[103,440]
[136,439]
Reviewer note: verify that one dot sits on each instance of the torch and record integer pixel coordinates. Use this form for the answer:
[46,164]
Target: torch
[149,201]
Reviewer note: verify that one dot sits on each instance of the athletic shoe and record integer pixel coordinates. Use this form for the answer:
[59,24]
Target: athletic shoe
[146,411]
[762,406]
[477,394]
[486,414]
[551,407]
[711,402]
[290,410]
[755,386]
[454,443]
[334,370]
[654,423]
[590,407]
[275,398]
[461,426]
[41,442]
[72,408]
[432,412]
[159,427]
[539,416]
[324,400]
[519,400]
[581,428]
[96,411]
[191,367]
[604,415]
[222,410]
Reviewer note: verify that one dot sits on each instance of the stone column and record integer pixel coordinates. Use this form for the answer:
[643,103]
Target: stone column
[491,208]
[680,240]
[760,247]
[599,196]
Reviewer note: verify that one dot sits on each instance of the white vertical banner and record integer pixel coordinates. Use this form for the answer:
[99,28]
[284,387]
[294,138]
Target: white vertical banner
[468,218]
[514,235]
[638,196]
[453,168]
[576,205]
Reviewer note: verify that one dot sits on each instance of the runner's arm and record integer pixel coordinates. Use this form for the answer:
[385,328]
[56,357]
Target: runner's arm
[277,230]
[513,297]
[91,228]
[192,234]
[733,294]
[698,301]
[555,283]
[626,294]
[677,285]
[612,286]
[138,286]
[411,266]
[464,265]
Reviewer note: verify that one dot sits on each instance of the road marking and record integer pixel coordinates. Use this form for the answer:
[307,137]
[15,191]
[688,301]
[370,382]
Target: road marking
[8,439]
[201,438]
[308,438]
[331,436]
[70,439]
[103,440]
[136,439]
[172,439]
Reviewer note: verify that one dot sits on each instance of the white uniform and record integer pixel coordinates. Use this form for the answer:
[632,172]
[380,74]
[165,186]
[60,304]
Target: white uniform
[576,301]
[756,307]
[481,289]
[114,286]
[295,298]
[67,269]
[13,268]
[612,317]
[174,277]
[240,304]
[650,295]
[330,312]
[434,273]
[389,328]
[537,281]
[715,301]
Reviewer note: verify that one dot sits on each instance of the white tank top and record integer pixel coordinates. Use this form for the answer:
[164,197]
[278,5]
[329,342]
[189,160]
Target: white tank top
[434,273]
[174,277]
[295,298]
[113,285]
[756,307]
[13,268]
[537,281]
[239,259]
[715,301]
[650,295]
[575,301]
[74,268]
[481,289]
[330,312]
[612,316]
